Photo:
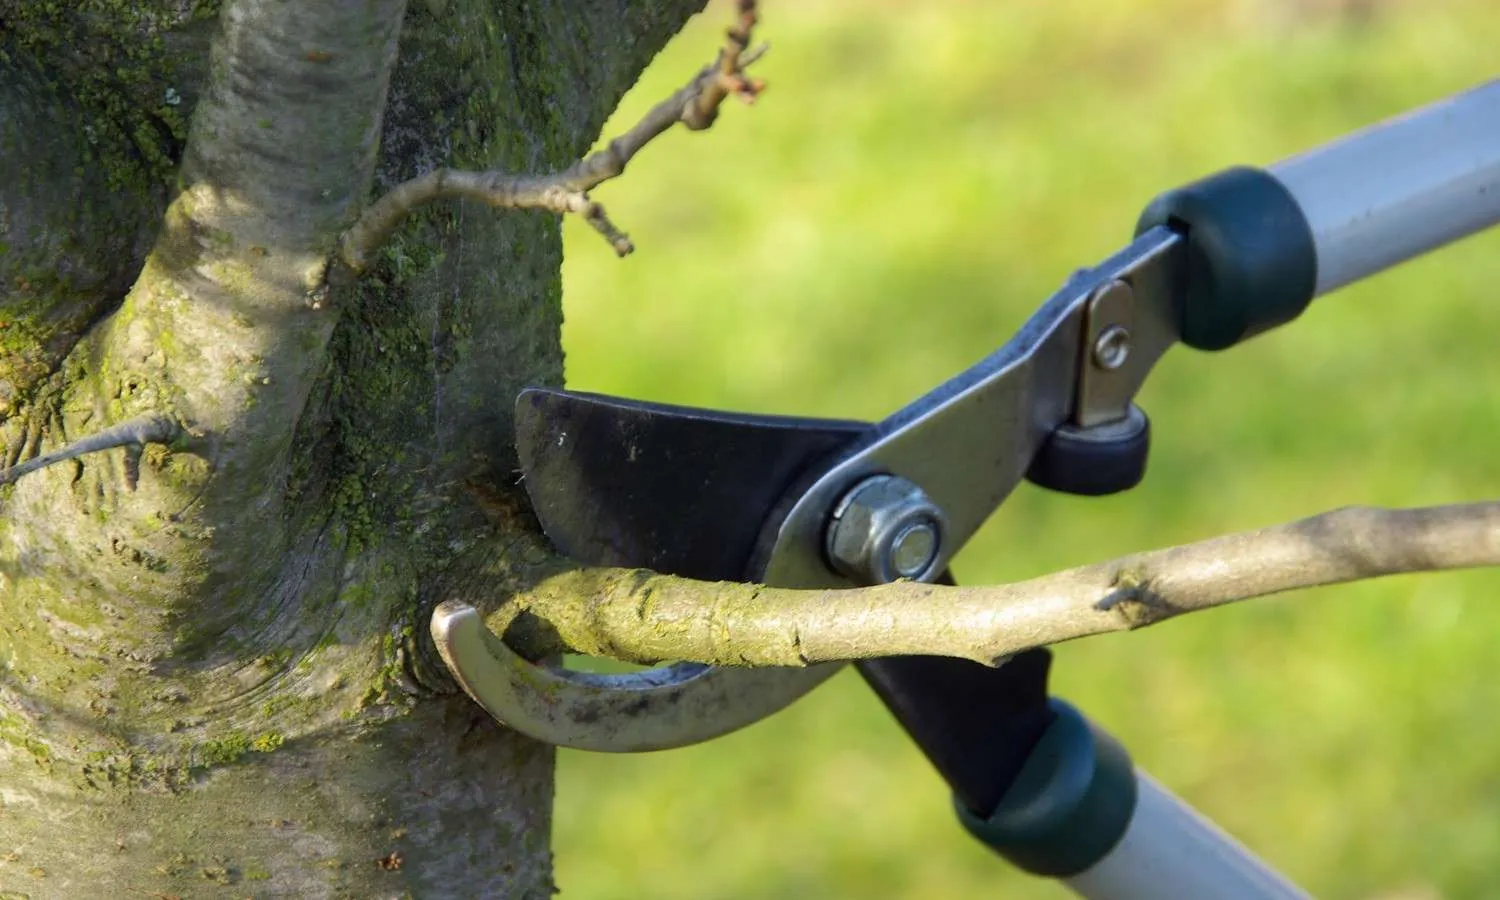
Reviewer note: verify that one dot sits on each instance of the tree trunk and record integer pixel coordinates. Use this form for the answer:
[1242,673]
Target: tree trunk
[215,680]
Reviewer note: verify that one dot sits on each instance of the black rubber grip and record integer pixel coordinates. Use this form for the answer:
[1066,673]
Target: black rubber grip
[1251,261]
[1093,462]
[1069,805]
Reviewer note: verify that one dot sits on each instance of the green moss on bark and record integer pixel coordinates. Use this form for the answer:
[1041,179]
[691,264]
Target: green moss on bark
[133,67]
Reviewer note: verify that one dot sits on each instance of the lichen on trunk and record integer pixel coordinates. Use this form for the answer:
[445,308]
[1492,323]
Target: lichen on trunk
[215,682]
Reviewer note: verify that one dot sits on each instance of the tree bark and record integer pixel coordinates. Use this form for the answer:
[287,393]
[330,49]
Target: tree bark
[215,681]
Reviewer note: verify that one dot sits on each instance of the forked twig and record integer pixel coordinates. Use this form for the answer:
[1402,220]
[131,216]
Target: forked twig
[695,105]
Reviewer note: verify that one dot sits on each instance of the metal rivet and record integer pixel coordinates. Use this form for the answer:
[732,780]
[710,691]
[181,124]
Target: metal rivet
[1112,347]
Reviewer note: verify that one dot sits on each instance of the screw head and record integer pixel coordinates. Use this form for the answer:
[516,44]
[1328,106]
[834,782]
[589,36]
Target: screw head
[883,529]
[1112,347]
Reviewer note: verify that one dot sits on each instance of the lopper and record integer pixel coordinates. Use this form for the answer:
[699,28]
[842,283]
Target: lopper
[822,503]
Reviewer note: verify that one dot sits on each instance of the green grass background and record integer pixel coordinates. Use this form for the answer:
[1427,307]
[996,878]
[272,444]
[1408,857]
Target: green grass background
[918,178]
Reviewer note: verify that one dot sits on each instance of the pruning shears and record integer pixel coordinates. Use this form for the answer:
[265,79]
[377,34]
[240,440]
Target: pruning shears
[819,503]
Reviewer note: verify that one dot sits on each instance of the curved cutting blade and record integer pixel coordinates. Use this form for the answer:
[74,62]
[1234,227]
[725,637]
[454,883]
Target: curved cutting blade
[674,489]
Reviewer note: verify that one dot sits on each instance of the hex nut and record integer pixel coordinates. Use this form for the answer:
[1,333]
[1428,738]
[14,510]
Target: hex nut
[867,522]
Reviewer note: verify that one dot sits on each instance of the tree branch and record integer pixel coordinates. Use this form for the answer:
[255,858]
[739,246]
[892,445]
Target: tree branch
[643,617]
[695,105]
[133,435]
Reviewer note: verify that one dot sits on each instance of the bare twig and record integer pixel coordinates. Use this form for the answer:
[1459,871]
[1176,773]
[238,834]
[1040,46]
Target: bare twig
[695,105]
[643,617]
[132,434]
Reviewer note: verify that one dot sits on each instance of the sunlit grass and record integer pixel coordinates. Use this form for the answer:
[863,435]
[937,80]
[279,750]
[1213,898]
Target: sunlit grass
[917,179]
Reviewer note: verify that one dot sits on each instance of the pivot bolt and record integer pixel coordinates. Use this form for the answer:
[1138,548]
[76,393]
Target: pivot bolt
[913,549]
[1112,348]
[885,528]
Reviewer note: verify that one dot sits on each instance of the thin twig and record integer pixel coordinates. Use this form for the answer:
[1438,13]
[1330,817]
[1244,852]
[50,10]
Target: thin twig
[695,105]
[644,617]
[132,434]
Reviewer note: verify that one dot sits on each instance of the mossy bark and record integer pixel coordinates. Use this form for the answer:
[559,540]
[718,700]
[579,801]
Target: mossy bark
[214,679]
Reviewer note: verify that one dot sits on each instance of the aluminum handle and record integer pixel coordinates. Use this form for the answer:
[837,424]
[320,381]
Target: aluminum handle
[1402,187]
[1169,850]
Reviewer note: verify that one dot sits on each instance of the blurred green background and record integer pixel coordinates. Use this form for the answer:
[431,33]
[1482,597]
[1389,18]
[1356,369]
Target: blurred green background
[918,177]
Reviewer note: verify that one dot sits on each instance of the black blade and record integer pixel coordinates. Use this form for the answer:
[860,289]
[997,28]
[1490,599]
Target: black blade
[976,724]
[686,491]
[673,489]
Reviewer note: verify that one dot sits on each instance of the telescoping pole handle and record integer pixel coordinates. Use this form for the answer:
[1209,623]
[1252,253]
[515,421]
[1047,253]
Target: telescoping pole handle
[1171,850]
[1262,243]
[1408,185]
[1079,811]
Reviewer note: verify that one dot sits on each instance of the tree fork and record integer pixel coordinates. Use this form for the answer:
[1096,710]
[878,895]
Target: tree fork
[215,685]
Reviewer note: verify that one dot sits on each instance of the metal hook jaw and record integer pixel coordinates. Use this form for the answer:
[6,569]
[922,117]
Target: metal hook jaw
[677,490]
[656,709]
